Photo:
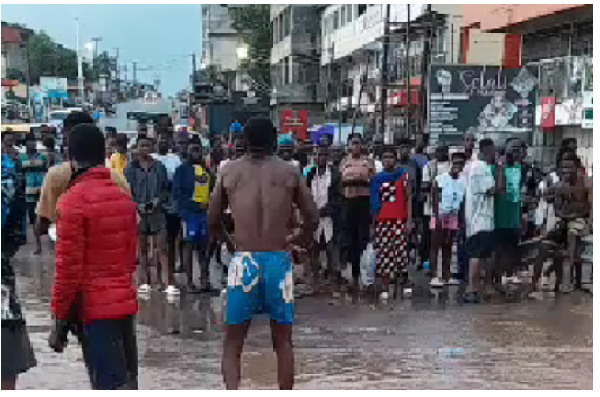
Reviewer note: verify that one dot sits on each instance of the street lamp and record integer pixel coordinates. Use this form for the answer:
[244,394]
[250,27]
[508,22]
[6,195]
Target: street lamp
[242,52]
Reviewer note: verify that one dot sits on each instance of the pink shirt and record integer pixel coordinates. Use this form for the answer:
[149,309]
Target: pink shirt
[359,172]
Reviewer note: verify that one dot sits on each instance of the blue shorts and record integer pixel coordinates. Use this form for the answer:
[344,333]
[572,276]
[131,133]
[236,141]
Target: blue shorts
[194,228]
[257,283]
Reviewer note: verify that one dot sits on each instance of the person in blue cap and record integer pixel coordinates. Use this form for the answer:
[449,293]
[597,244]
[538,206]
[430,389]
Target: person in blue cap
[285,149]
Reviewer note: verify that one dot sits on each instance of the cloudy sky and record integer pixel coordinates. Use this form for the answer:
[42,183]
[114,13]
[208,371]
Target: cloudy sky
[161,37]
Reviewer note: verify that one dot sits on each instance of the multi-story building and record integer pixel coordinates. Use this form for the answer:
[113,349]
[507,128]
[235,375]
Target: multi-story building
[558,40]
[14,51]
[352,51]
[295,61]
[219,45]
[433,38]
[15,64]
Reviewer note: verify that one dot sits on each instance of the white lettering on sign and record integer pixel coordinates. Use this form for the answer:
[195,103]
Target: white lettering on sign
[476,84]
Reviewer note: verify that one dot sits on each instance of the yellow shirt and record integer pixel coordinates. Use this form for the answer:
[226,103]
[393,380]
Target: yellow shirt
[56,183]
[201,185]
[118,162]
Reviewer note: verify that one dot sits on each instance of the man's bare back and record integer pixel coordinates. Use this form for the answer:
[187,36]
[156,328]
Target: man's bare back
[261,193]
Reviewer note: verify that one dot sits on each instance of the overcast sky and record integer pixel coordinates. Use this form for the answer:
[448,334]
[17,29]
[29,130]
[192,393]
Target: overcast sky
[158,36]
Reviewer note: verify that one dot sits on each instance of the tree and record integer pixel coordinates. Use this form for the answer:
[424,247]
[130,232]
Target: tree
[16,74]
[253,25]
[47,58]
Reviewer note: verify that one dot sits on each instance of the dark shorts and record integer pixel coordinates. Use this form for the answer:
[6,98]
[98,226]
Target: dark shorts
[507,237]
[480,245]
[152,224]
[31,212]
[17,353]
[173,226]
[110,353]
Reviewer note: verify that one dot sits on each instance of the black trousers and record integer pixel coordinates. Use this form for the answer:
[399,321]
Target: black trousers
[110,353]
[357,223]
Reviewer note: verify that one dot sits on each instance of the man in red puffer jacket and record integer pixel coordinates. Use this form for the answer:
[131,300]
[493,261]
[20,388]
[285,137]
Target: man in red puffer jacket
[95,266]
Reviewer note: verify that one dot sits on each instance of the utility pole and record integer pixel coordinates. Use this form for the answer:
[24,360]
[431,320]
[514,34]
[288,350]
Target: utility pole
[384,70]
[117,73]
[363,81]
[192,101]
[408,99]
[95,40]
[134,72]
[79,63]
[193,55]
[426,61]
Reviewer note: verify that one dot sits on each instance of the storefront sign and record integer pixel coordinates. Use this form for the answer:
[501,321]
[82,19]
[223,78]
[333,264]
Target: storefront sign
[548,121]
[295,122]
[484,99]
[587,116]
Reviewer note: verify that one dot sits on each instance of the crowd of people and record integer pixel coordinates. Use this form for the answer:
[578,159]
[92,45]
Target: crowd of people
[272,203]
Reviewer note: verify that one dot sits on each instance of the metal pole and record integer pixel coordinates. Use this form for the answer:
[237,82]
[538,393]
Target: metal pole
[408,75]
[79,62]
[339,107]
[191,112]
[28,77]
[384,70]
[426,61]
[360,91]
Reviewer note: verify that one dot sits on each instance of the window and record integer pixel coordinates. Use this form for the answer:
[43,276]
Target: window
[286,71]
[287,21]
[280,22]
[362,8]
[343,17]
[349,12]
[336,20]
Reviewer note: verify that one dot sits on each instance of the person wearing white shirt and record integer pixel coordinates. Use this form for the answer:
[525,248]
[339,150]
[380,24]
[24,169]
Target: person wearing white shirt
[448,193]
[479,217]
[439,165]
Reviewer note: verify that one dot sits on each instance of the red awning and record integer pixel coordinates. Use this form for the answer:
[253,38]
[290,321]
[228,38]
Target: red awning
[401,98]
[9,83]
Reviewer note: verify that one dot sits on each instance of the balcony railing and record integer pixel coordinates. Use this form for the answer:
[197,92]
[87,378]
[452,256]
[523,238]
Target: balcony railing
[565,77]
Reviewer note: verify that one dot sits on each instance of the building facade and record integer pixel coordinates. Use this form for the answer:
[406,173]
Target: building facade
[295,62]
[14,52]
[219,45]
[352,53]
[557,39]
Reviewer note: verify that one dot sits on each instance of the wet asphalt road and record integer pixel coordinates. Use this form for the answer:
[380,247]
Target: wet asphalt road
[525,344]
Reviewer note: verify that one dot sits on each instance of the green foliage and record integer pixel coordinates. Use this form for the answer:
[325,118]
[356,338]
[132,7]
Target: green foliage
[47,58]
[16,74]
[252,22]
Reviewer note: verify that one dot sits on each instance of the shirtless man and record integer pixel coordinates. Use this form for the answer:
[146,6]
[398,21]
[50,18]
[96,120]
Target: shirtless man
[572,208]
[261,191]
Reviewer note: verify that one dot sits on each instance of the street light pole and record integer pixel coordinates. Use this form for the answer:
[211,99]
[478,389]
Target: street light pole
[79,62]
[384,71]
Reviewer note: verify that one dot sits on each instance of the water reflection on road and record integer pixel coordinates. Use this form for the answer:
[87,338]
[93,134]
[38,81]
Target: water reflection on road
[421,342]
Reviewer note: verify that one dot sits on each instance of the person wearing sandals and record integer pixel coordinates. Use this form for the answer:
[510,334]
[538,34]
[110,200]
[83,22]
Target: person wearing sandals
[391,209]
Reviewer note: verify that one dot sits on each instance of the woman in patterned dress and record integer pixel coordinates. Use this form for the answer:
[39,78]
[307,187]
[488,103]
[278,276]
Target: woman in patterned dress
[391,210]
